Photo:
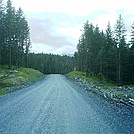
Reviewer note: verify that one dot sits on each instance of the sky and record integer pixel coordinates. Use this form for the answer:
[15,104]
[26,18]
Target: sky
[56,25]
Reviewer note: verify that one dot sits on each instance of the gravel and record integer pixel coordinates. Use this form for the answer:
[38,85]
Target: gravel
[56,105]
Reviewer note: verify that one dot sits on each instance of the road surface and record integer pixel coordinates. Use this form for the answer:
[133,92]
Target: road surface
[56,105]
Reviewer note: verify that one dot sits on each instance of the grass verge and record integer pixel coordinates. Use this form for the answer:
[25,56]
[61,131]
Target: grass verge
[92,79]
[2,92]
[17,77]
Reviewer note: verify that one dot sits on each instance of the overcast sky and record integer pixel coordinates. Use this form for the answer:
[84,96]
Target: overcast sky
[55,24]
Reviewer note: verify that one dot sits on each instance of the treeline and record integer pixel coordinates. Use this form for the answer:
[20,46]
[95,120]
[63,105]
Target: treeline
[15,45]
[14,36]
[106,54]
[51,64]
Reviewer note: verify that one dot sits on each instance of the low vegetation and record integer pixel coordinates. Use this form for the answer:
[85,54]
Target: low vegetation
[123,94]
[92,79]
[2,92]
[17,77]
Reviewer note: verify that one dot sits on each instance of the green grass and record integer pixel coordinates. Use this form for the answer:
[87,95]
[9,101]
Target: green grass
[92,79]
[75,74]
[2,92]
[17,77]
[30,73]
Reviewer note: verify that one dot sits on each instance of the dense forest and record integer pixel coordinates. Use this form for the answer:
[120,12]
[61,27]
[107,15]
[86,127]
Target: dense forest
[106,54]
[15,45]
[51,64]
[14,36]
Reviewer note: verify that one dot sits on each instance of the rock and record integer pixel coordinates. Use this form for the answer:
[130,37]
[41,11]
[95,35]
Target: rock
[131,101]
[118,94]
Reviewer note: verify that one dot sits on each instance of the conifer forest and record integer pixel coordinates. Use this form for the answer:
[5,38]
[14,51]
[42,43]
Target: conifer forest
[15,45]
[105,54]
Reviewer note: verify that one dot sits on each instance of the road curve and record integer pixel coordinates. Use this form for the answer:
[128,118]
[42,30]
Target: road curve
[56,105]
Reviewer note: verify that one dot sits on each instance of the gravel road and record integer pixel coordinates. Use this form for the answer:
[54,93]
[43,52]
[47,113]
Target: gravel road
[56,105]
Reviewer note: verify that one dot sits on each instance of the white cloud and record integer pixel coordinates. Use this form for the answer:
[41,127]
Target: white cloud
[102,20]
[41,48]
[72,7]
[72,32]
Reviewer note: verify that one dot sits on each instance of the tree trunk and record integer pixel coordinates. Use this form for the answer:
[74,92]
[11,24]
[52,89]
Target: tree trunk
[119,71]
[10,56]
[0,58]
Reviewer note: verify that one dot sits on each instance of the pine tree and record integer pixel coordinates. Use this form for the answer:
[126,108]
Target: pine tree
[81,54]
[110,54]
[131,56]
[9,29]
[14,36]
[120,36]
[132,34]
[97,50]
[1,29]
[22,36]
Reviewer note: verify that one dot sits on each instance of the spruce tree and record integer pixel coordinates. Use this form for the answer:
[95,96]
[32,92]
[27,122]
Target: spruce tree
[119,36]
[9,29]
[131,56]
[110,54]
[1,29]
